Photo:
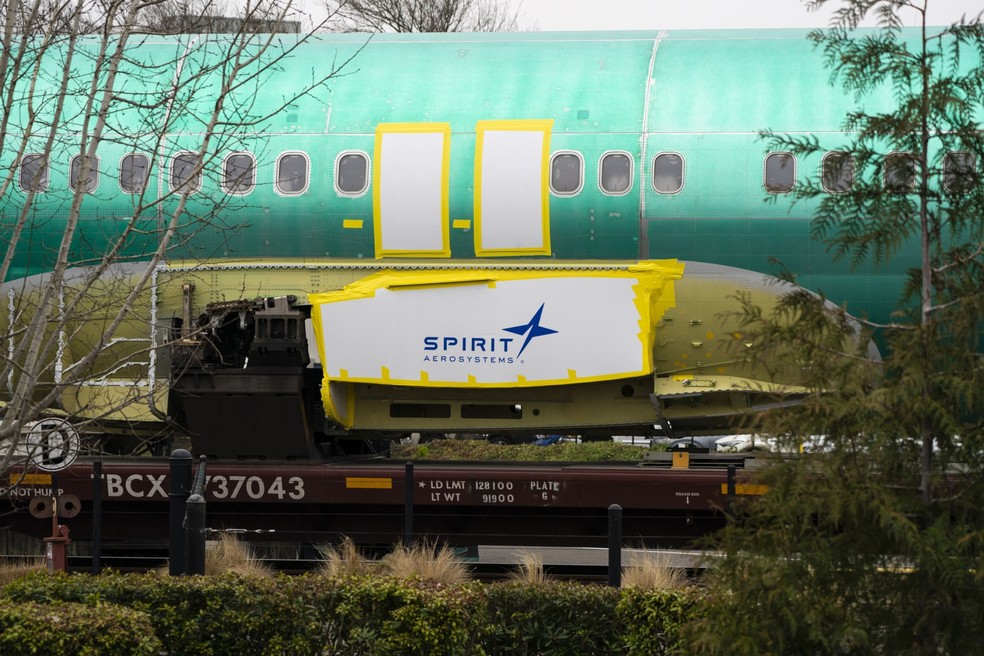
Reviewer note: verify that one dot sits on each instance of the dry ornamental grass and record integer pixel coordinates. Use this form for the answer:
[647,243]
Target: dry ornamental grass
[343,560]
[427,562]
[233,555]
[651,571]
[529,570]
[14,568]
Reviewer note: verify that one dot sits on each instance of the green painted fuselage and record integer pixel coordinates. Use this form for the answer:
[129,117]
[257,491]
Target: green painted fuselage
[702,95]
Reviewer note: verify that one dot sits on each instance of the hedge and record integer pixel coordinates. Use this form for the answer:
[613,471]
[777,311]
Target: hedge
[58,628]
[312,615]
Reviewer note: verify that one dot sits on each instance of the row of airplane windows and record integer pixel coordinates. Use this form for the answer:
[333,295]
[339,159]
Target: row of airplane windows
[566,173]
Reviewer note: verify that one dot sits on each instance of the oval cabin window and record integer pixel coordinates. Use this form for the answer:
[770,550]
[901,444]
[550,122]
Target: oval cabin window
[239,174]
[34,173]
[184,177]
[565,174]
[352,173]
[616,173]
[900,172]
[92,175]
[292,173]
[134,173]
[780,173]
[668,173]
[959,172]
[837,175]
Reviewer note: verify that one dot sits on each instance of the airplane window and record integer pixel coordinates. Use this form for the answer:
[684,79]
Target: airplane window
[34,173]
[668,173]
[837,175]
[780,173]
[565,173]
[92,177]
[616,173]
[183,176]
[292,172]
[134,172]
[352,173]
[959,172]
[239,173]
[900,172]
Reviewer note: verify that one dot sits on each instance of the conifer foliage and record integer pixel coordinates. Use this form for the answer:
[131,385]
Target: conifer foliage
[872,543]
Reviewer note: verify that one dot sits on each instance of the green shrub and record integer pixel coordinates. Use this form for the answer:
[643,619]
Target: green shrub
[559,618]
[651,620]
[383,615]
[67,629]
[211,616]
[313,615]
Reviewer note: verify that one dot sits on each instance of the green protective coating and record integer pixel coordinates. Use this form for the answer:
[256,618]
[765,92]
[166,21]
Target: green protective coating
[702,95]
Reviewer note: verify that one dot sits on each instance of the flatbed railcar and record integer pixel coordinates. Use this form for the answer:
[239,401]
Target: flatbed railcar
[464,504]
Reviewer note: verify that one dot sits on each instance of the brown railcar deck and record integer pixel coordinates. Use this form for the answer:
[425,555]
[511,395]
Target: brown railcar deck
[458,503]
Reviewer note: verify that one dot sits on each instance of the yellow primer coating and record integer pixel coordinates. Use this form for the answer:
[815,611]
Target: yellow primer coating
[347,418]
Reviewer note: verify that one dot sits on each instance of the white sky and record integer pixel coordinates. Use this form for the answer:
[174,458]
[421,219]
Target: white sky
[567,15]
[560,15]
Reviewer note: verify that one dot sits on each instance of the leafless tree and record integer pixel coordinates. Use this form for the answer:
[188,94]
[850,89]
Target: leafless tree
[424,16]
[213,16]
[76,81]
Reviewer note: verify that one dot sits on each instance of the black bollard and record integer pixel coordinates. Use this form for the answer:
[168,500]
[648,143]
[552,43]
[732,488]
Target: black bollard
[408,505]
[195,534]
[180,486]
[615,545]
[731,488]
[97,517]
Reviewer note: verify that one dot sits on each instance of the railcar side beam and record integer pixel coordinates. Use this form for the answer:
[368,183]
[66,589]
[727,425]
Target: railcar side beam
[464,504]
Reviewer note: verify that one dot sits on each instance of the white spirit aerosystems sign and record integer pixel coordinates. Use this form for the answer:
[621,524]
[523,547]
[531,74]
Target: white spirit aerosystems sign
[493,328]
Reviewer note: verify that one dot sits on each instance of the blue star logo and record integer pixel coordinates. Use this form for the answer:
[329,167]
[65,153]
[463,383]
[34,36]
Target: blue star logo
[531,329]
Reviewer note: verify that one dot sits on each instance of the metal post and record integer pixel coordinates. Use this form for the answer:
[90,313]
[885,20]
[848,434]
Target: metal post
[731,488]
[615,545]
[97,517]
[180,485]
[56,549]
[194,523]
[198,486]
[55,546]
[195,534]
[408,505]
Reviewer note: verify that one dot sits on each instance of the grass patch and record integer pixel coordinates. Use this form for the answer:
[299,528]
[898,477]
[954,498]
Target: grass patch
[482,450]
[14,568]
